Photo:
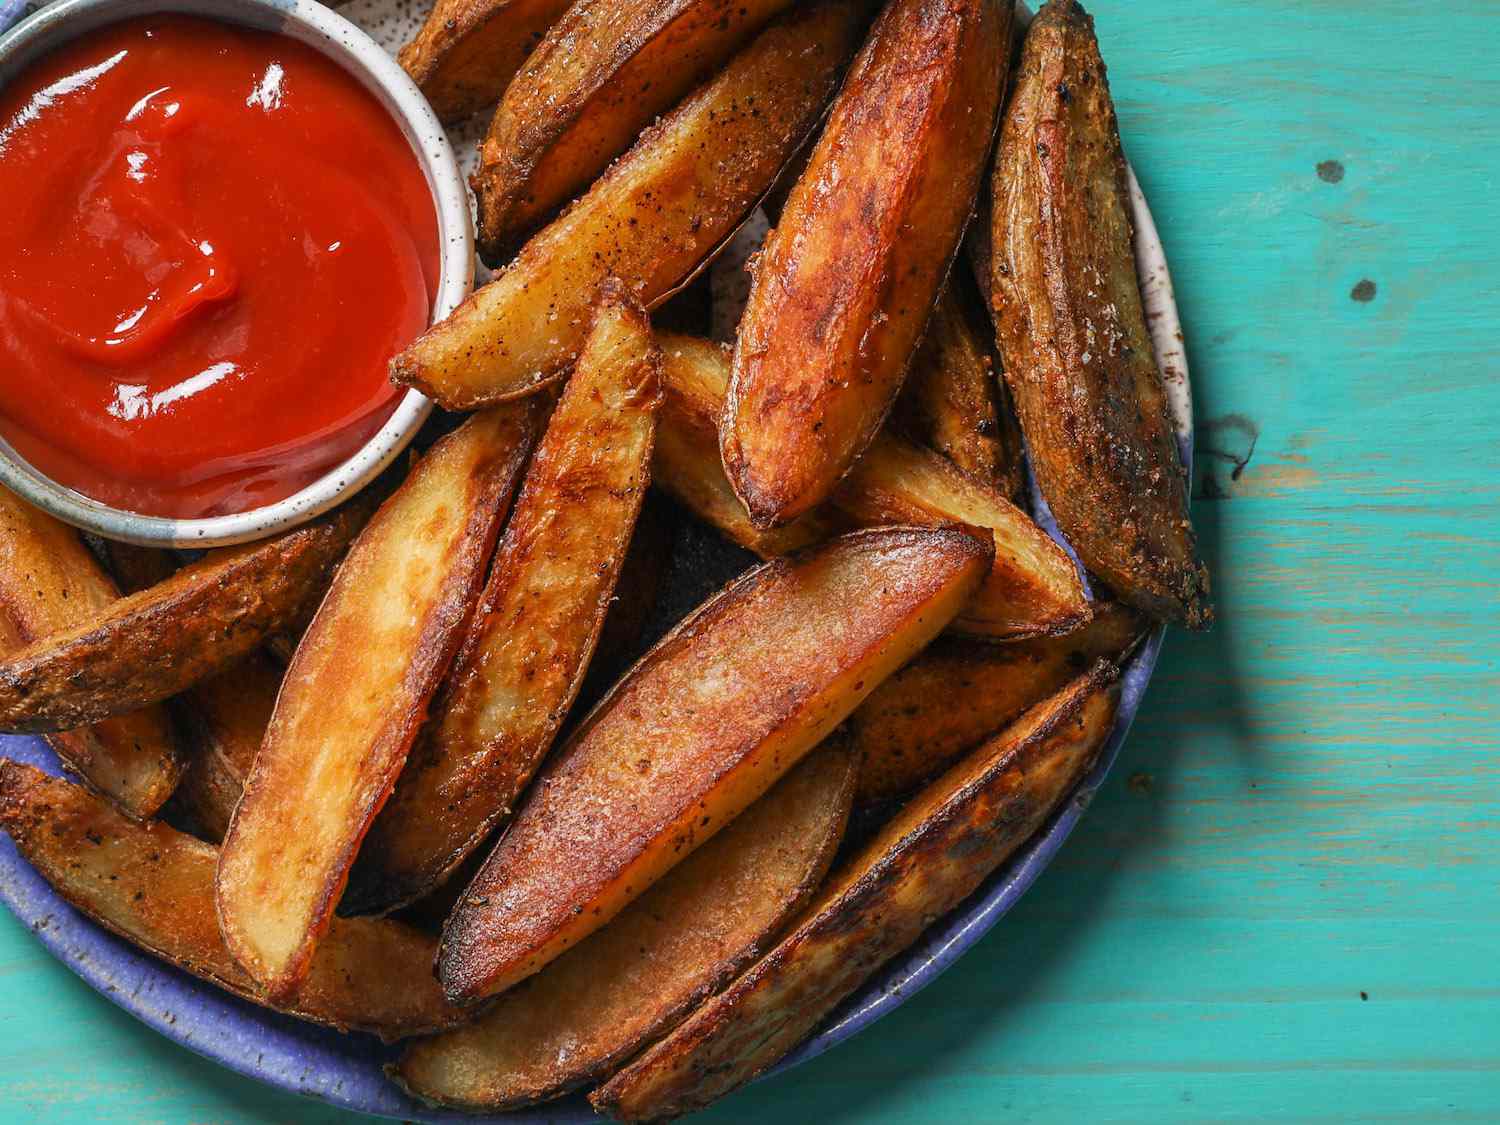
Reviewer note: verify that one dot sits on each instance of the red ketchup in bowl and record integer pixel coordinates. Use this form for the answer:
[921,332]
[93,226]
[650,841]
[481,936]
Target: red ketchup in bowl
[212,241]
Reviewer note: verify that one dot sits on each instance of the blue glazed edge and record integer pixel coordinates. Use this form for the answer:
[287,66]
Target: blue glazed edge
[346,1070]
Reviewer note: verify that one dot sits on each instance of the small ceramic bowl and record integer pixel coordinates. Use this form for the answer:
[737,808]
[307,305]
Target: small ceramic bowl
[331,34]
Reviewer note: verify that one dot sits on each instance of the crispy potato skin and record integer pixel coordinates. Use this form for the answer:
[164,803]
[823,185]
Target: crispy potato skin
[134,568]
[704,724]
[958,692]
[154,887]
[536,625]
[49,581]
[225,719]
[677,944]
[604,72]
[356,692]
[1072,333]
[660,211]
[923,864]
[468,50]
[846,281]
[954,401]
[161,640]
[1032,589]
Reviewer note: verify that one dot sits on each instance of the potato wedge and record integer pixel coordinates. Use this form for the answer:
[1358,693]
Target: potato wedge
[958,692]
[643,575]
[356,692]
[846,281]
[226,720]
[134,568]
[533,633]
[49,581]
[1072,332]
[954,400]
[919,867]
[1033,589]
[659,212]
[468,50]
[155,643]
[677,944]
[604,72]
[154,887]
[704,724]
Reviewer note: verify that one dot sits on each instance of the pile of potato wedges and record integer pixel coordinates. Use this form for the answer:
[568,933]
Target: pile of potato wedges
[395,771]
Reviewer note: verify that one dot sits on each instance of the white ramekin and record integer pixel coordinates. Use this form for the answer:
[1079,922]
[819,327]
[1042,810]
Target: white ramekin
[310,22]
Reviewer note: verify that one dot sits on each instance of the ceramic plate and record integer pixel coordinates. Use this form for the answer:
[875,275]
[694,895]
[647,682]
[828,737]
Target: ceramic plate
[346,1069]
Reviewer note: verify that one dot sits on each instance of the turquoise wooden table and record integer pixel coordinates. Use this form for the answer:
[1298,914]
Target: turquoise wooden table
[1286,901]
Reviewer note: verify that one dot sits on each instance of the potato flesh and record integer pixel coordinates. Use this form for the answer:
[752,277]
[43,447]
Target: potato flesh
[702,725]
[846,281]
[919,867]
[1072,332]
[632,980]
[49,582]
[161,640]
[603,73]
[650,221]
[1033,588]
[355,693]
[468,50]
[536,625]
[155,887]
[959,692]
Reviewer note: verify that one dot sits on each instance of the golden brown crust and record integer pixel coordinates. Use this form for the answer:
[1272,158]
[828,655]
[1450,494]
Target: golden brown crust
[604,72]
[703,724]
[357,690]
[225,720]
[954,400]
[658,215]
[155,643]
[846,281]
[468,50]
[1033,588]
[924,863]
[959,692]
[677,944]
[1072,332]
[535,627]
[49,582]
[155,887]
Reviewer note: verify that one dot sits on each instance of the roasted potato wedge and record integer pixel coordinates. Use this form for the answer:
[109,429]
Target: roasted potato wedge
[356,692]
[1033,588]
[154,887]
[919,867]
[1072,333]
[703,725]
[533,633]
[958,692]
[954,400]
[643,575]
[468,50]
[225,719]
[49,582]
[157,642]
[134,568]
[604,72]
[677,944]
[659,212]
[845,283]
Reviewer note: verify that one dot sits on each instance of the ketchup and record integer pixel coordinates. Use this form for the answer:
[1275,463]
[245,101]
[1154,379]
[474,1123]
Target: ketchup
[212,241]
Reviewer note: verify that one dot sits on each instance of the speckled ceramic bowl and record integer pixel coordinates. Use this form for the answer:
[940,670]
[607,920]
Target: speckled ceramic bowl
[346,1070]
[354,50]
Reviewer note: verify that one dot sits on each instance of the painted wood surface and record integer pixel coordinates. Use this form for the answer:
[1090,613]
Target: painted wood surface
[1286,902]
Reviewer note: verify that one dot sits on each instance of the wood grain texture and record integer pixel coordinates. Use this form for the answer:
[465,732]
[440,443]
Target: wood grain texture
[1305,810]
